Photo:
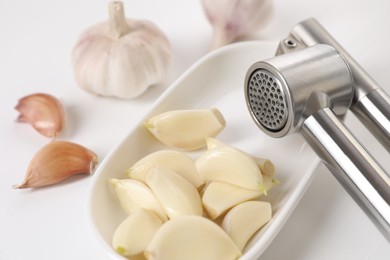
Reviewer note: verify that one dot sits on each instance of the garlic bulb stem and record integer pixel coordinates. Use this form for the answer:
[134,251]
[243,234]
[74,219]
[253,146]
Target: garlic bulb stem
[117,21]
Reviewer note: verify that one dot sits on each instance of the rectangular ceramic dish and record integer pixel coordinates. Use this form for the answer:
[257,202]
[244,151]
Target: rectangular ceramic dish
[217,80]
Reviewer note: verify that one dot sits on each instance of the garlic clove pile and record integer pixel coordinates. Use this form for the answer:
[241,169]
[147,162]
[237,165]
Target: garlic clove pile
[177,195]
[44,112]
[133,195]
[242,221]
[121,57]
[191,238]
[232,19]
[57,161]
[133,235]
[176,161]
[186,129]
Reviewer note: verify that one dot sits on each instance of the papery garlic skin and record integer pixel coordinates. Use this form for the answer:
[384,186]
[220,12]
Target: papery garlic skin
[191,238]
[232,19]
[133,235]
[133,195]
[177,195]
[242,221]
[186,129]
[44,112]
[176,161]
[122,57]
[57,161]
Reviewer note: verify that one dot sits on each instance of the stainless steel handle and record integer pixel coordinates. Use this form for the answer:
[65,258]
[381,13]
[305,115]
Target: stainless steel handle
[370,103]
[362,177]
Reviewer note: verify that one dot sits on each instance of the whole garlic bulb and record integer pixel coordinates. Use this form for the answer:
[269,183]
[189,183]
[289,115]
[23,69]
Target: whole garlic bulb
[121,57]
[232,19]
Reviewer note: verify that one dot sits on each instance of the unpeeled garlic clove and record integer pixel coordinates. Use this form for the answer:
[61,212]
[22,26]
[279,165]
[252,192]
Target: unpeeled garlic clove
[218,197]
[228,164]
[121,57]
[133,235]
[242,221]
[186,129]
[133,194]
[57,161]
[191,238]
[177,195]
[43,111]
[176,161]
[232,19]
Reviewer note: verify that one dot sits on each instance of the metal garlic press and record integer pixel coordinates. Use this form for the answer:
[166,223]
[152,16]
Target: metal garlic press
[308,87]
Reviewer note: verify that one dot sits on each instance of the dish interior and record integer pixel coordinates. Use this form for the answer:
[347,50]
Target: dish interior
[217,80]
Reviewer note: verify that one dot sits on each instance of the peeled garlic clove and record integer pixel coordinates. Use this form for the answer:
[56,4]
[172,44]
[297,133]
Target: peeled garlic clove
[212,143]
[218,197]
[266,166]
[191,238]
[186,129]
[134,234]
[176,161]
[242,221]
[268,183]
[225,163]
[177,195]
[133,195]
[137,257]
[121,57]
[232,19]
[44,112]
[57,161]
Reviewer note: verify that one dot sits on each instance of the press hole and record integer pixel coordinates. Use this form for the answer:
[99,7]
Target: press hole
[290,43]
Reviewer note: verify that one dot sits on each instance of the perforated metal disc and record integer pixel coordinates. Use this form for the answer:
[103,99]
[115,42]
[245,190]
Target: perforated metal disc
[267,100]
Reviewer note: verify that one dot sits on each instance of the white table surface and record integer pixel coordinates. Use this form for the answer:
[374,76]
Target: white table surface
[36,41]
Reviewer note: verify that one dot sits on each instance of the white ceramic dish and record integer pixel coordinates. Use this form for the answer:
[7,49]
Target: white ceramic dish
[215,81]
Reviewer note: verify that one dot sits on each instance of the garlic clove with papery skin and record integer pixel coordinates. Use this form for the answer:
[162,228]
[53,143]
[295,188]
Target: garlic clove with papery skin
[57,161]
[44,112]
[121,57]
[232,19]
